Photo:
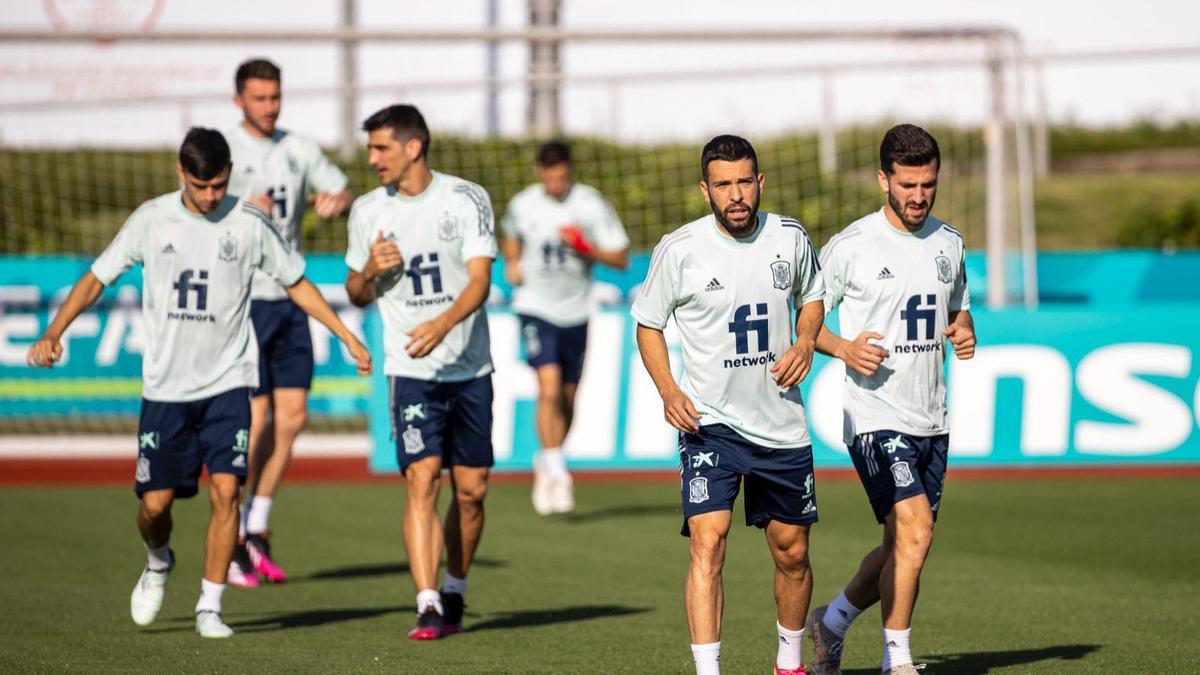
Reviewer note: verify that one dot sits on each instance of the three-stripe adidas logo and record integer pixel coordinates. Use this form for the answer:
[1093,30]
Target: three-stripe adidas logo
[168,248]
[714,285]
[885,273]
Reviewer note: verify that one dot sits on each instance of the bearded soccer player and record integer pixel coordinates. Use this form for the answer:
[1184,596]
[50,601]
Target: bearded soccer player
[275,169]
[199,249]
[555,231]
[732,281]
[422,245]
[899,277]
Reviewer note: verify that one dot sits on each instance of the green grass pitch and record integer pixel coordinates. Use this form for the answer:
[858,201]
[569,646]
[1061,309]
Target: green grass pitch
[1083,575]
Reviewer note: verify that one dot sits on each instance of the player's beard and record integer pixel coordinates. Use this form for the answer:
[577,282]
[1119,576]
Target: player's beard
[901,211]
[737,230]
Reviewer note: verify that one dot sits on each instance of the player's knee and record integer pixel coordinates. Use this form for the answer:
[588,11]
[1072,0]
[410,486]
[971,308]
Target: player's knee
[223,495]
[422,482]
[156,505]
[292,420]
[470,496]
[550,395]
[914,538]
[707,550]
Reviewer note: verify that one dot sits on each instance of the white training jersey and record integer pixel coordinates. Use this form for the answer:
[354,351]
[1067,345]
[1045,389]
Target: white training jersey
[734,302]
[437,232]
[196,273]
[557,282]
[902,286]
[284,166]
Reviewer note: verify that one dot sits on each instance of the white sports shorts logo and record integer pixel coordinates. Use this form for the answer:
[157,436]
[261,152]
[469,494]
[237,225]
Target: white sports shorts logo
[414,443]
[698,490]
[901,474]
[143,470]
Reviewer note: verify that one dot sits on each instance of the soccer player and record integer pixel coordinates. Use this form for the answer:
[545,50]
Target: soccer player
[198,248]
[422,244]
[898,275]
[732,281]
[554,232]
[275,168]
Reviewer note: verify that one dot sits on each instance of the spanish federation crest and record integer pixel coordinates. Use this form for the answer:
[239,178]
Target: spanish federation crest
[698,490]
[901,474]
[943,269]
[293,165]
[447,227]
[143,470]
[228,248]
[414,443]
[781,274]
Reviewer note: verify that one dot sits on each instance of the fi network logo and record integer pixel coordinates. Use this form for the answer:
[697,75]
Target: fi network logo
[192,281]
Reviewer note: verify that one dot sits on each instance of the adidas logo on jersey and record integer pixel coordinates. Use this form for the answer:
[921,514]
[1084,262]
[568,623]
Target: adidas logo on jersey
[885,273]
[168,248]
[714,285]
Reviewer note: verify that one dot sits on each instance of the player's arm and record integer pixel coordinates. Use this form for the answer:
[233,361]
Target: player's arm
[424,337]
[510,248]
[795,363]
[48,349]
[677,407]
[572,236]
[618,259]
[384,256]
[332,204]
[961,333]
[308,298]
[859,354]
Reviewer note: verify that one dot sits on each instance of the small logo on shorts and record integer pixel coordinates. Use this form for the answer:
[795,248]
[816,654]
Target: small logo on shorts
[808,486]
[148,440]
[533,344]
[810,507]
[412,412]
[239,461]
[704,459]
[414,443]
[894,443]
[698,490]
[901,474]
[143,470]
[241,440]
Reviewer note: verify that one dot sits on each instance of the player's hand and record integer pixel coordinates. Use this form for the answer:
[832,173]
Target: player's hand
[862,356]
[385,255]
[962,339]
[362,357]
[44,353]
[330,204]
[793,366]
[572,235]
[425,336]
[679,411]
[263,202]
[513,274]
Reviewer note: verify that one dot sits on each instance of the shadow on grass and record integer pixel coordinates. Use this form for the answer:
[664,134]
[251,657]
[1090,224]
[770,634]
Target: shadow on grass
[978,663]
[628,511]
[545,617]
[285,620]
[378,570]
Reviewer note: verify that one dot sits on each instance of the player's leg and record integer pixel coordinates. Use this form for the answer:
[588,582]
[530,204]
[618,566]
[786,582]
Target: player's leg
[160,435]
[265,320]
[793,591]
[572,346]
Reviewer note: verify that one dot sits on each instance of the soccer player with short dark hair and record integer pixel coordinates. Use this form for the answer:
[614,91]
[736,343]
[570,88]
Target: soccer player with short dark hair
[276,169]
[422,245]
[199,248]
[555,231]
[732,281]
[899,277]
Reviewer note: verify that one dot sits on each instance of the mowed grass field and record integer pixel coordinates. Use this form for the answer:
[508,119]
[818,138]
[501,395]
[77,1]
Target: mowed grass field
[1084,575]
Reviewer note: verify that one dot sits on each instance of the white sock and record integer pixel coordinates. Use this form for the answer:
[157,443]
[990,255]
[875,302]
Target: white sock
[791,643]
[707,658]
[158,559]
[452,584]
[257,515]
[895,648]
[210,597]
[429,598]
[840,614]
[553,461]
[242,510]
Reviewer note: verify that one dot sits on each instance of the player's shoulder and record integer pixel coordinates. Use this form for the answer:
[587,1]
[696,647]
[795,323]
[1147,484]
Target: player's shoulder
[586,192]
[945,231]
[527,197]
[463,187]
[850,236]
[297,142]
[681,238]
[370,200]
[786,224]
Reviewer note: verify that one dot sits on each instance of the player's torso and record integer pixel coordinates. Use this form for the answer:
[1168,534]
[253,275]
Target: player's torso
[274,167]
[545,260]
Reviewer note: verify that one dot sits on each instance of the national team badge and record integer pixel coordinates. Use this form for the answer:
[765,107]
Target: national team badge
[414,443]
[901,474]
[533,343]
[698,490]
[293,165]
[241,440]
[447,227]
[228,248]
[781,274]
[943,269]
[143,470]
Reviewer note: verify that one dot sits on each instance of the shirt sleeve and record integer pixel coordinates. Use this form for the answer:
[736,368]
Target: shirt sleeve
[609,234]
[323,174]
[358,244]
[833,276]
[659,295]
[509,223]
[810,285]
[960,296]
[125,250]
[275,256]
[478,222]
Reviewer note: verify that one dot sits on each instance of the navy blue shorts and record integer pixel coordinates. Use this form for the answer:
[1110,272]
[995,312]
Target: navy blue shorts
[894,466]
[779,482]
[285,351]
[175,438]
[547,344]
[450,420]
